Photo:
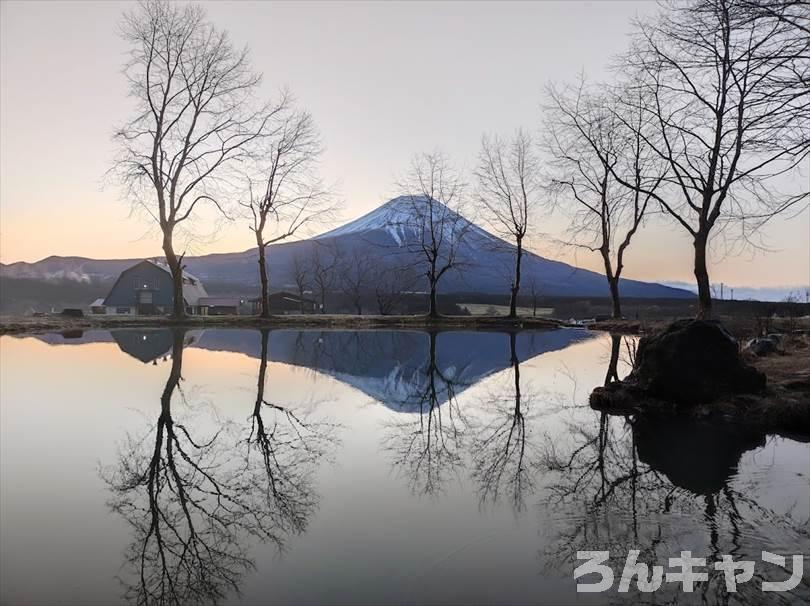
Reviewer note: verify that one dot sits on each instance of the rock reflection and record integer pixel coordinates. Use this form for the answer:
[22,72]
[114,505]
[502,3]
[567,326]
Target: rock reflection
[659,487]
[195,504]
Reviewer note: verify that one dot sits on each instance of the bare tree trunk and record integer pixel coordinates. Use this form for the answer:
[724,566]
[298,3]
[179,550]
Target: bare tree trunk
[516,283]
[613,282]
[176,269]
[614,295]
[433,310]
[702,278]
[265,313]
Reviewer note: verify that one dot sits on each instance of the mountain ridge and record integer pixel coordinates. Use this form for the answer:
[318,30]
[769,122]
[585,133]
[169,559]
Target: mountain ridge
[487,259]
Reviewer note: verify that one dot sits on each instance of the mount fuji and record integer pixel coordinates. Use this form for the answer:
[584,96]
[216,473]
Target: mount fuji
[387,235]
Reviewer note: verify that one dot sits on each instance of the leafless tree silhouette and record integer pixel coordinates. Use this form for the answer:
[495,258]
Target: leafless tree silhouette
[323,264]
[510,192]
[435,192]
[355,273]
[392,283]
[302,274]
[588,141]
[731,108]
[195,118]
[283,187]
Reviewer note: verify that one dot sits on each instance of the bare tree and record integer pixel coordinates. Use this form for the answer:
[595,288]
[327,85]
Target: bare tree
[435,191]
[589,144]
[323,265]
[731,115]
[193,118]
[534,291]
[795,13]
[509,191]
[284,190]
[302,275]
[391,285]
[355,273]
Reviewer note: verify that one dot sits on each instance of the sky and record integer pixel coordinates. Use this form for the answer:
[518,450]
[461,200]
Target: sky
[383,81]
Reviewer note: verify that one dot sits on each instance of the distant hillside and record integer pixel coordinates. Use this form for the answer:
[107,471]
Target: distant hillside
[386,235]
[20,296]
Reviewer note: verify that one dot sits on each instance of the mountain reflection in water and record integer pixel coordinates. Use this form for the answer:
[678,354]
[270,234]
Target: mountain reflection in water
[482,468]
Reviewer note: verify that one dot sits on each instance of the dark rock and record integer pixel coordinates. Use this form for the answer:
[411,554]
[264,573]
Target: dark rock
[693,362]
[761,346]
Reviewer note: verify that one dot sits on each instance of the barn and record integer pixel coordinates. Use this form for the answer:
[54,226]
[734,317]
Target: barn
[146,289]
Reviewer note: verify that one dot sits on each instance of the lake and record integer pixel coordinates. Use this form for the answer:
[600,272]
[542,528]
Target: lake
[368,467]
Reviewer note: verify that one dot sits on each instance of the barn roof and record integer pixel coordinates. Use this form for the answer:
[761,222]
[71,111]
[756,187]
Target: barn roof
[193,288]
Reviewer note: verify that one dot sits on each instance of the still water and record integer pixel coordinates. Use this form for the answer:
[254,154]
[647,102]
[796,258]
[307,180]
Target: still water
[311,467]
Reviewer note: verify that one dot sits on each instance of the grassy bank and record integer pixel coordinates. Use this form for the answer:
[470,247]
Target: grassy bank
[56,323]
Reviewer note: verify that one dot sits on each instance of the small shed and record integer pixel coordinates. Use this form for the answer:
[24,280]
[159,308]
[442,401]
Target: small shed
[221,306]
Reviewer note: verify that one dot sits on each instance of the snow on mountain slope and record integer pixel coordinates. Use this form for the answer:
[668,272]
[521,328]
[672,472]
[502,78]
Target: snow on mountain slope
[403,218]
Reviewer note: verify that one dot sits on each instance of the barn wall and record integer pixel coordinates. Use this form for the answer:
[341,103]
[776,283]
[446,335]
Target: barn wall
[124,293]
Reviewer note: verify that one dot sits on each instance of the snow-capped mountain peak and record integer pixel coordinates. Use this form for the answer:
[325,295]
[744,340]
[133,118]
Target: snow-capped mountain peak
[403,218]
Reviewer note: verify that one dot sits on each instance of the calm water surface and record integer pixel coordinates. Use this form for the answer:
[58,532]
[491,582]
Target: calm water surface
[307,467]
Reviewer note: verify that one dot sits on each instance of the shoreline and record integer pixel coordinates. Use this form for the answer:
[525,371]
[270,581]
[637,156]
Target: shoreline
[33,325]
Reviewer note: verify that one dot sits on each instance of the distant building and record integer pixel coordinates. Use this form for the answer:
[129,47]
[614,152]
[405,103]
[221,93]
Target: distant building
[223,306]
[98,307]
[283,302]
[146,289]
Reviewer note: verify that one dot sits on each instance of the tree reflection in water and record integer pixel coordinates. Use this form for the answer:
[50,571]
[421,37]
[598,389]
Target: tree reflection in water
[194,502]
[428,447]
[504,461]
[661,485]
[289,447]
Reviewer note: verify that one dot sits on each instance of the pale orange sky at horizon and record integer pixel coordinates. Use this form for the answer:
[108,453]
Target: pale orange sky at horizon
[355,66]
